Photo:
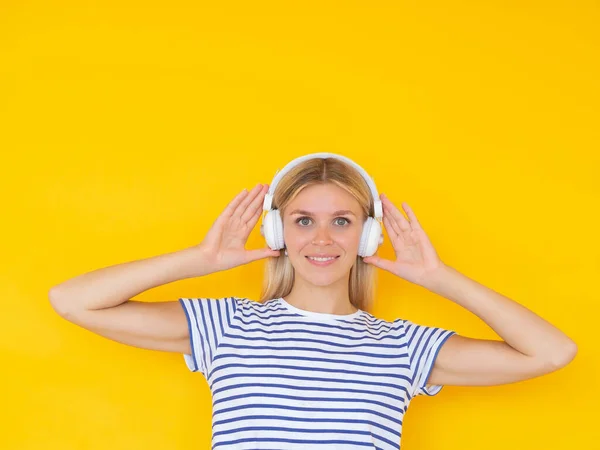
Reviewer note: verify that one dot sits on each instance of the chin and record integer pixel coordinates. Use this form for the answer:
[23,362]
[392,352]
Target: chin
[325,279]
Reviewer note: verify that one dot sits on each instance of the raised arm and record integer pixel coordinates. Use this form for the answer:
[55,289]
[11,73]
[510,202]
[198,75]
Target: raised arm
[100,301]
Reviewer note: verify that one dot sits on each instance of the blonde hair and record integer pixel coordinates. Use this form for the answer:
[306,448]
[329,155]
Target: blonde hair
[279,273]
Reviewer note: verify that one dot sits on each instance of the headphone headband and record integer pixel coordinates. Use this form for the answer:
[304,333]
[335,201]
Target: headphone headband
[267,203]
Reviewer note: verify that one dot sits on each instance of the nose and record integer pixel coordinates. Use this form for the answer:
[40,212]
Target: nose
[322,236]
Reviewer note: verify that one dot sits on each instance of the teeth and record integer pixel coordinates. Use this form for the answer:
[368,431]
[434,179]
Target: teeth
[321,259]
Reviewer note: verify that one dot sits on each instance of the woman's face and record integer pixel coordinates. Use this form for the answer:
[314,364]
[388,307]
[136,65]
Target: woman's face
[322,219]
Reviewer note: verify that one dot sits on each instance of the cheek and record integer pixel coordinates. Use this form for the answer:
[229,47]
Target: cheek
[349,237]
[292,239]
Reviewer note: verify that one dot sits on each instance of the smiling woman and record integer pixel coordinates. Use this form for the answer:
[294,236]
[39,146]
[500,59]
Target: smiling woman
[322,204]
[324,232]
[308,364]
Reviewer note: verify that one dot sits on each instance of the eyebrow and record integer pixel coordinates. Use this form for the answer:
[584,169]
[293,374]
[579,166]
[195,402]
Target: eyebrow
[308,213]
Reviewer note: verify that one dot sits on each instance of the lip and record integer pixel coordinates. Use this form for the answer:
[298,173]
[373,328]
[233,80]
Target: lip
[321,263]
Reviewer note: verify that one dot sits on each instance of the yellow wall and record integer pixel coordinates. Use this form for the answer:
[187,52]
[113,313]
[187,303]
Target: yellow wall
[127,127]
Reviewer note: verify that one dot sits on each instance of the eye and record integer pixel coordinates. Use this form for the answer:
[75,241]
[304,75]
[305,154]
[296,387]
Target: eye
[308,218]
[302,218]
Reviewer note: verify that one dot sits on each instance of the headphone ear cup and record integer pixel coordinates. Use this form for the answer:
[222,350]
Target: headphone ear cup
[273,230]
[371,237]
[278,227]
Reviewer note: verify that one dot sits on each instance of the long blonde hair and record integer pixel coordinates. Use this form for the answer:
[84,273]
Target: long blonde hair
[279,273]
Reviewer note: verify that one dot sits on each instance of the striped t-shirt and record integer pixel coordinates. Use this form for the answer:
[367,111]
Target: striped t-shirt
[287,378]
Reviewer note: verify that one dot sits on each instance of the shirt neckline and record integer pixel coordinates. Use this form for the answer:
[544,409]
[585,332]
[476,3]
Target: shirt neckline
[317,315]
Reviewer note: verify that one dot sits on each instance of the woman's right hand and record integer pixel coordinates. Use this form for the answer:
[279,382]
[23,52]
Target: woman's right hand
[224,244]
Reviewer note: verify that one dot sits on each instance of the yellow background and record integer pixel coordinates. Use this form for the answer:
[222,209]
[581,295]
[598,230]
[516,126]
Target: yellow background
[126,127]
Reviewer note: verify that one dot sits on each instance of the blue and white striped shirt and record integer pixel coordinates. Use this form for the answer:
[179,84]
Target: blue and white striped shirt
[286,378]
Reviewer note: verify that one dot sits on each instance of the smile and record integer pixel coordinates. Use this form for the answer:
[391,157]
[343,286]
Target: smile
[321,261]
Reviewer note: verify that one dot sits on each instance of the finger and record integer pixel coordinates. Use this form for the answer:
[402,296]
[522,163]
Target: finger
[411,215]
[231,207]
[260,253]
[377,261]
[252,222]
[241,208]
[255,205]
[391,228]
[387,213]
[220,222]
[396,215]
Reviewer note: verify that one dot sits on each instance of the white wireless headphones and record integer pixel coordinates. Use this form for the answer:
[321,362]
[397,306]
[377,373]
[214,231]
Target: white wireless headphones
[272,224]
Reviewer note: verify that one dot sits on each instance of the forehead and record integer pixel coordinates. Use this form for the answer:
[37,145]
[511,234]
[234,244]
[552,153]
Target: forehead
[323,199]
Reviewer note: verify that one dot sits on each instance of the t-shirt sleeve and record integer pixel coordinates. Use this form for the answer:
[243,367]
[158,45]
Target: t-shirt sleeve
[424,344]
[208,320]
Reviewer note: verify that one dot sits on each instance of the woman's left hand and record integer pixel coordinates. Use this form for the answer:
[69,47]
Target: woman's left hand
[416,259]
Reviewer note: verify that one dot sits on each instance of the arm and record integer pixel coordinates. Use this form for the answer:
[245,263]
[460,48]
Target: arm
[99,300]
[531,346]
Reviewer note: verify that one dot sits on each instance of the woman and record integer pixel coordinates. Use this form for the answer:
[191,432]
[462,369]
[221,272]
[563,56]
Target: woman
[308,366]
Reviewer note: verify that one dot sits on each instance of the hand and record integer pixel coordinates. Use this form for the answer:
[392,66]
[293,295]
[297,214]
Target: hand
[224,244]
[416,259]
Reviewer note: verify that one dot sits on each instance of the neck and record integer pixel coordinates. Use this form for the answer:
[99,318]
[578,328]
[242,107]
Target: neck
[331,299]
